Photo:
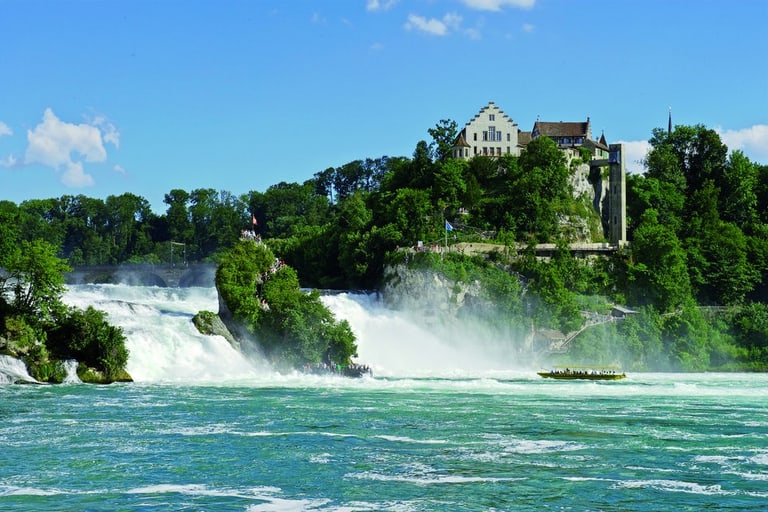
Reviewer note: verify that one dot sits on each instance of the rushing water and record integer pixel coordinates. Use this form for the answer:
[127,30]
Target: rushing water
[205,429]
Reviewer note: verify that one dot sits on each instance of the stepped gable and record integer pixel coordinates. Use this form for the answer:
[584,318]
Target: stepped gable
[491,132]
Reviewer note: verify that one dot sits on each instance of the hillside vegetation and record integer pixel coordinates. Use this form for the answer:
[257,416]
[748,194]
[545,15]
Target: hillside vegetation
[262,304]
[695,271]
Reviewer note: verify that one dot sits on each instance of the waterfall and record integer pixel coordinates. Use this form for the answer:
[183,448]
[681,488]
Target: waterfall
[70,365]
[163,343]
[399,343]
[13,370]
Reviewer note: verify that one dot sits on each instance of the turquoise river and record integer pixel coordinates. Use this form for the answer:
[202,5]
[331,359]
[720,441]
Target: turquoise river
[205,429]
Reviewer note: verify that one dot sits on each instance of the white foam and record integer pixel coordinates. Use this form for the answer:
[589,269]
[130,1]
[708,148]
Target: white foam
[13,370]
[674,486]
[163,344]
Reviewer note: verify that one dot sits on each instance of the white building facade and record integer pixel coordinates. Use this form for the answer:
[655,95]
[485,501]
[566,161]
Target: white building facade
[490,133]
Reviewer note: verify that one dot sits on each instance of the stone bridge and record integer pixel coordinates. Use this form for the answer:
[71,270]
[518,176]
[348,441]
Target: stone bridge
[164,275]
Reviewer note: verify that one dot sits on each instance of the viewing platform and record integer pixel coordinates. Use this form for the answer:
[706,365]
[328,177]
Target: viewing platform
[579,250]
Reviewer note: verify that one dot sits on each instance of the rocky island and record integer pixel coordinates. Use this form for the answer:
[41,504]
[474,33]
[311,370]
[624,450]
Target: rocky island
[263,310]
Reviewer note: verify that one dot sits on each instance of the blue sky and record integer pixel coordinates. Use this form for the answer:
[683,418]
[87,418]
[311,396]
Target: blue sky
[105,97]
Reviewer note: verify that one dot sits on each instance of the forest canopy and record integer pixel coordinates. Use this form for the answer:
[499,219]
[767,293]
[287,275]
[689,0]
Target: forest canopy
[697,230]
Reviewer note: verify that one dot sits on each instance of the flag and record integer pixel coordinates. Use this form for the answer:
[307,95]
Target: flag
[253,220]
[448,226]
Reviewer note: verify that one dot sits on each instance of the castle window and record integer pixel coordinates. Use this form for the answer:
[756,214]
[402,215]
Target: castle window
[491,133]
[507,137]
[485,151]
[491,117]
[485,135]
[475,135]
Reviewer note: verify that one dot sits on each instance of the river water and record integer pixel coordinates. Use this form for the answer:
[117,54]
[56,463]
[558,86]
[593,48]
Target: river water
[206,429]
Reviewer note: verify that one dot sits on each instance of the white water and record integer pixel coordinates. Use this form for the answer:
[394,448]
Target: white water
[70,366]
[397,343]
[13,370]
[164,345]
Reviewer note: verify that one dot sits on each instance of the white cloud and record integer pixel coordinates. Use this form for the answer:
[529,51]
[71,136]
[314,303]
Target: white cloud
[752,141]
[75,177]
[635,152]
[473,33]
[8,162]
[527,27]
[119,169]
[377,5]
[452,20]
[5,129]
[497,5]
[434,26]
[108,130]
[430,26]
[65,146]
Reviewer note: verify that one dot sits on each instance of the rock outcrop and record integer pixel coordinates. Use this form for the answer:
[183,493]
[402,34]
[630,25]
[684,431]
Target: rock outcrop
[210,323]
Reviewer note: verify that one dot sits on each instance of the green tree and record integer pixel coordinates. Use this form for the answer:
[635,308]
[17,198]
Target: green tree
[180,228]
[87,336]
[10,232]
[538,188]
[717,252]
[34,279]
[410,212]
[739,190]
[443,137]
[449,185]
[421,169]
[666,198]
[658,273]
[40,219]
[127,222]
[353,227]
[239,272]
[291,327]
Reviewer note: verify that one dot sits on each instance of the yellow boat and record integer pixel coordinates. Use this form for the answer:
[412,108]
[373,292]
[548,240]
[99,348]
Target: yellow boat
[583,373]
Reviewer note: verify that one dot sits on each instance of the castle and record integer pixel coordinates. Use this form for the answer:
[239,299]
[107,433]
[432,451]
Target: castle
[493,133]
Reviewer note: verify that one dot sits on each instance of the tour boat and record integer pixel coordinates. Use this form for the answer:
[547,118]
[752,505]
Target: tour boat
[583,373]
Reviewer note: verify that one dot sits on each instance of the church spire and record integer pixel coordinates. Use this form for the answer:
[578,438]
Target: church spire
[669,123]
